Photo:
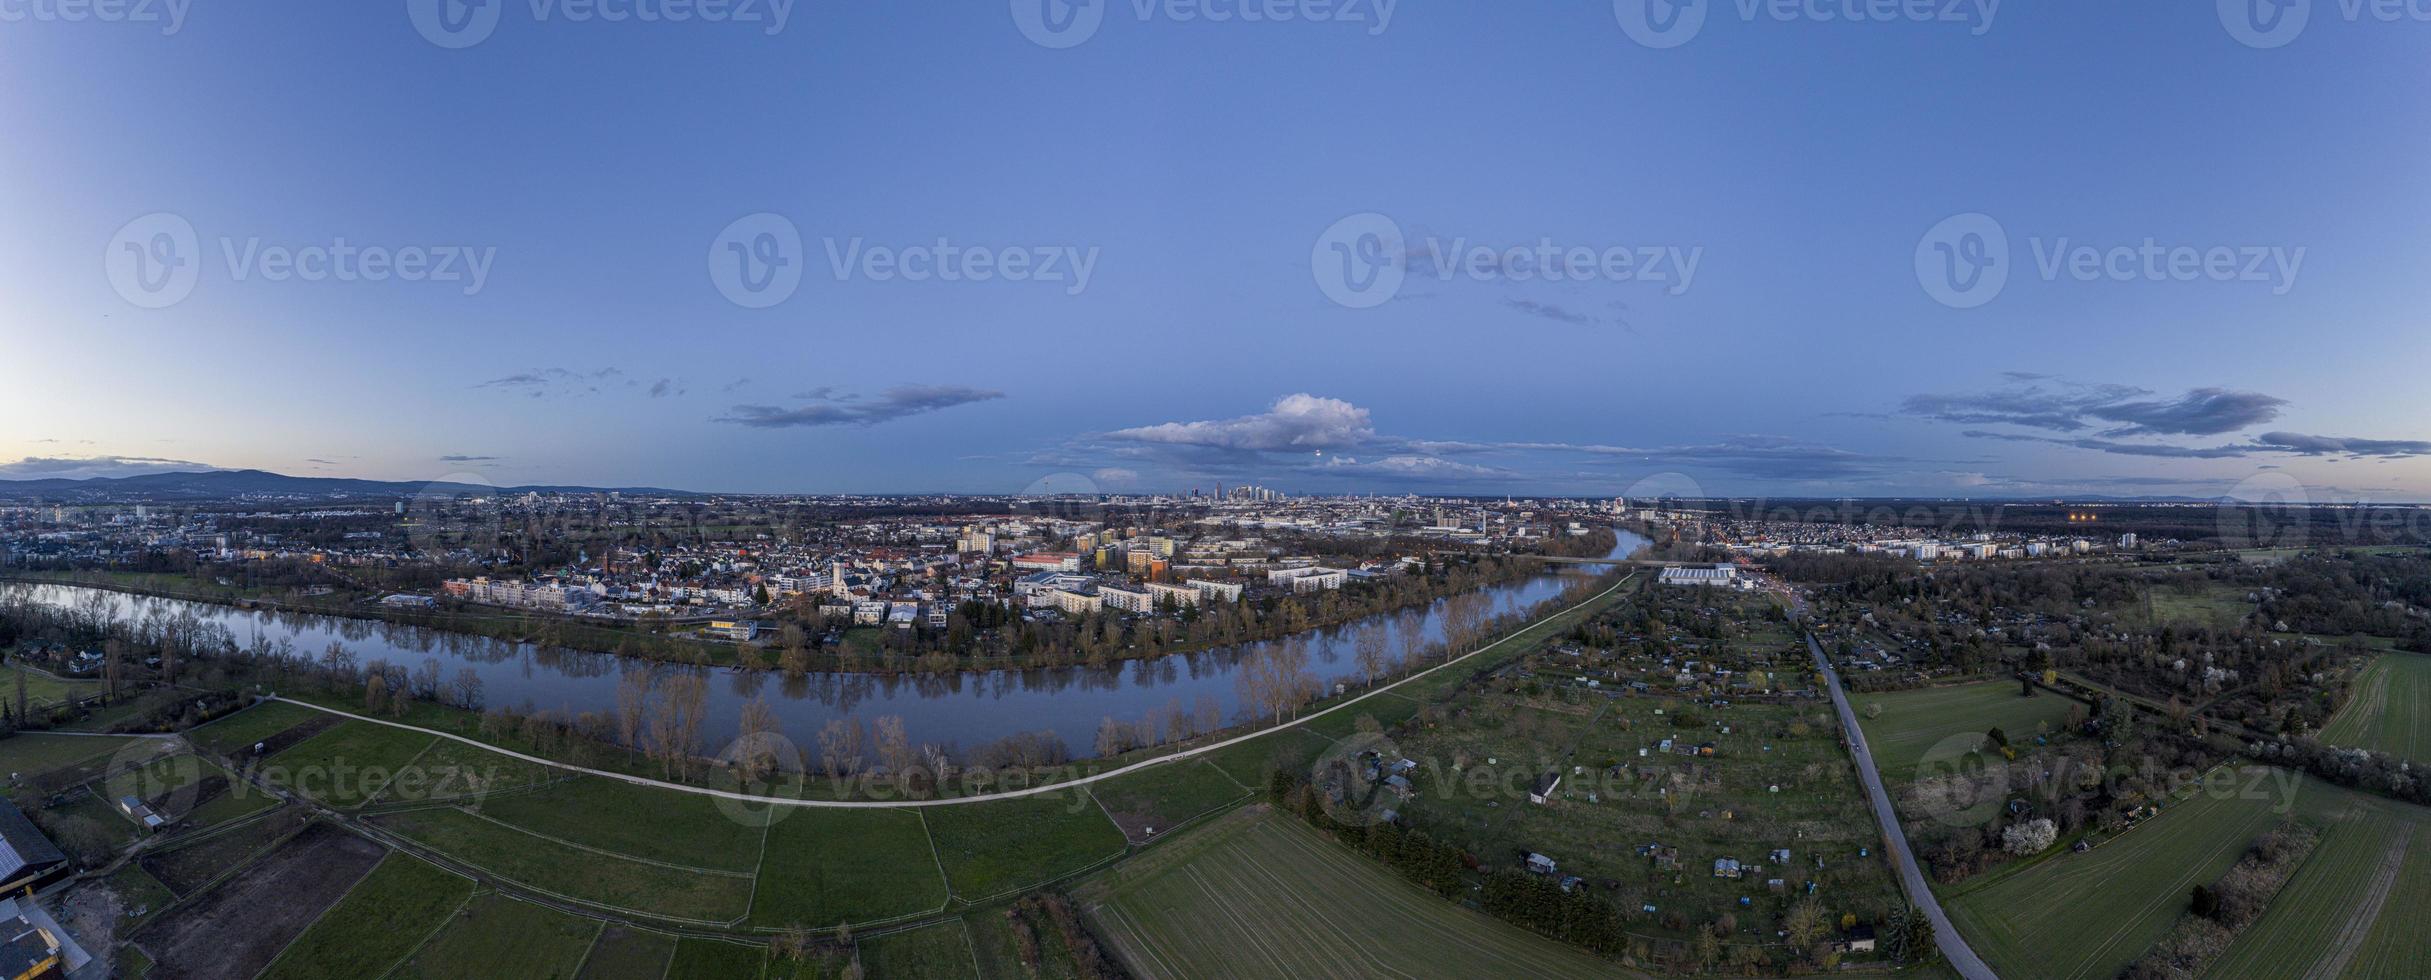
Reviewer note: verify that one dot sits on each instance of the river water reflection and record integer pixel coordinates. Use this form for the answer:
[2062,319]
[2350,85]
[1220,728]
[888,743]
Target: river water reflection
[961,709]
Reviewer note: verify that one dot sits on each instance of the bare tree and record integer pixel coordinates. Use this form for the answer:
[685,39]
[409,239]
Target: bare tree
[675,723]
[840,750]
[632,705]
[1210,715]
[1411,623]
[894,746]
[1112,739]
[1372,646]
[757,740]
[691,693]
[468,689]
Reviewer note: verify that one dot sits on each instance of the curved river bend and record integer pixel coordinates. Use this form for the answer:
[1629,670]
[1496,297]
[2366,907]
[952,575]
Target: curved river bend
[960,709]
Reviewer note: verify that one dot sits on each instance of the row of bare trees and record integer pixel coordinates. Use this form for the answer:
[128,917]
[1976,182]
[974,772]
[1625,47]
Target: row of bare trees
[662,719]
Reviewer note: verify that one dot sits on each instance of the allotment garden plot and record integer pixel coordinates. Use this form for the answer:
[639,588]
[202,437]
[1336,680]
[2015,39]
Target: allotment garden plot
[1694,807]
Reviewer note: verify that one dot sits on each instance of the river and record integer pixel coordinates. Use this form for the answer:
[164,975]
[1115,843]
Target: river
[960,709]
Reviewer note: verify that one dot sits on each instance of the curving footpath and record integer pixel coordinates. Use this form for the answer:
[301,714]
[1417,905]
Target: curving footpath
[1953,946]
[986,797]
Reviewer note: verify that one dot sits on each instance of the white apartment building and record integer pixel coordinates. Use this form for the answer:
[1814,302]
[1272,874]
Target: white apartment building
[1218,591]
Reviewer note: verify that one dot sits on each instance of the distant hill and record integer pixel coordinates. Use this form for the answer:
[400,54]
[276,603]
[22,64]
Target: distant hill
[236,484]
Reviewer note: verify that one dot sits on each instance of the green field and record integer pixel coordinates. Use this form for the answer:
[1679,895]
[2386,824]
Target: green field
[2086,916]
[2394,948]
[346,766]
[2346,912]
[1153,801]
[2390,710]
[653,824]
[828,866]
[453,771]
[1260,894]
[235,735]
[1914,723]
[993,849]
[585,875]
[496,936]
[2214,605]
[1252,762]
[30,754]
[710,959]
[42,688]
[628,954]
[390,912]
[928,953]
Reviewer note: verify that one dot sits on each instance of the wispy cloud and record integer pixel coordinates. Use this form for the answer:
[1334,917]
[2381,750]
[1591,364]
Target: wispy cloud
[2266,444]
[825,407]
[2039,402]
[555,382]
[1563,314]
[470,459]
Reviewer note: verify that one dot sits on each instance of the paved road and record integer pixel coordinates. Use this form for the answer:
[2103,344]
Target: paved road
[1056,787]
[1953,946]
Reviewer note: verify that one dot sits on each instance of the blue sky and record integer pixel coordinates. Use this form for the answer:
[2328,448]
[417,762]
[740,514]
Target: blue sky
[1808,168]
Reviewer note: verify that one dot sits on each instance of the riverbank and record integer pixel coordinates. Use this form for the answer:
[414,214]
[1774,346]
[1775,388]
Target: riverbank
[493,623]
[861,650]
[1043,714]
[1395,698]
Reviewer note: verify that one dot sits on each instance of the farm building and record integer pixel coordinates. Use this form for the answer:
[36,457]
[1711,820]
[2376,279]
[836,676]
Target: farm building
[136,810]
[27,859]
[33,945]
[1542,792]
